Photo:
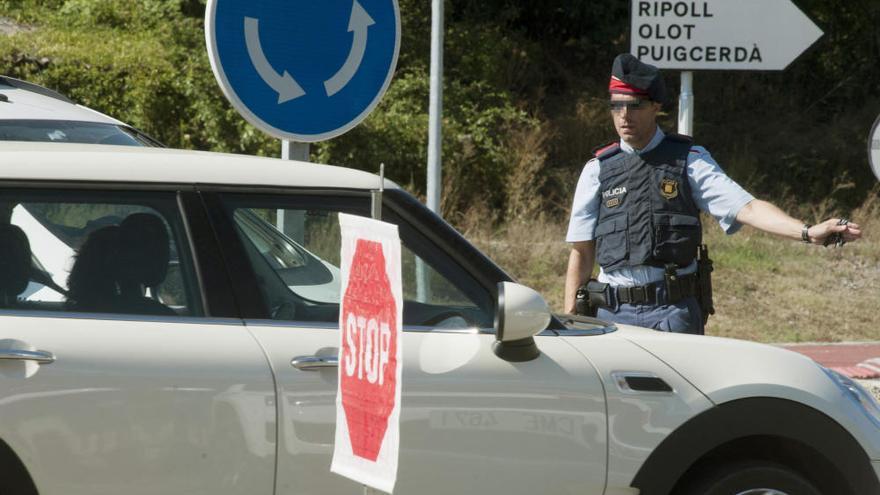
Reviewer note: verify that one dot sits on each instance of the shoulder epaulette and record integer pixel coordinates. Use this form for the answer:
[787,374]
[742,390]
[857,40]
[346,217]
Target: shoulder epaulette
[607,150]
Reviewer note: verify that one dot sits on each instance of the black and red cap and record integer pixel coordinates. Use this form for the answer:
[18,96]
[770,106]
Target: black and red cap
[631,76]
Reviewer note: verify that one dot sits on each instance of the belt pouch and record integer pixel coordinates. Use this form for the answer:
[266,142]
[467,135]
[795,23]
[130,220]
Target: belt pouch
[673,285]
[599,294]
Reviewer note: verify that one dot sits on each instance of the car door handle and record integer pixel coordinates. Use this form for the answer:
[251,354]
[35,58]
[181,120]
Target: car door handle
[42,357]
[314,363]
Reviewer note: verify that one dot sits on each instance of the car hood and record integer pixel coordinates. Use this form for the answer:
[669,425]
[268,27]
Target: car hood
[728,369]
[725,370]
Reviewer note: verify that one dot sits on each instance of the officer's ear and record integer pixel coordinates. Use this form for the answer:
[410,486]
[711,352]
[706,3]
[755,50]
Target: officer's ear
[657,108]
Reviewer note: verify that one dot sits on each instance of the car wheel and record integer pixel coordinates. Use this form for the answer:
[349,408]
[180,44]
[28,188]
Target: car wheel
[751,478]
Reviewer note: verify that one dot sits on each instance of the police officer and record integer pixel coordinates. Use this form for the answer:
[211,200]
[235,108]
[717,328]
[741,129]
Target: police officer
[636,212]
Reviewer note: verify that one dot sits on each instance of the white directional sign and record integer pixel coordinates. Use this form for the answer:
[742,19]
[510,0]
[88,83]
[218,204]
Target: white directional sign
[303,70]
[874,148]
[720,34]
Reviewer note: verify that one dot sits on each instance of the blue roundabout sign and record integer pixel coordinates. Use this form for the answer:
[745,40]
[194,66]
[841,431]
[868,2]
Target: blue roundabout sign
[303,70]
[874,148]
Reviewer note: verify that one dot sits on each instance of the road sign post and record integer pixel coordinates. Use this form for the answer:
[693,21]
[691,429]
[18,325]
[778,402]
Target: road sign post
[367,438]
[686,104]
[435,110]
[292,223]
[718,35]
[291,150]
[301,70]
[434,177]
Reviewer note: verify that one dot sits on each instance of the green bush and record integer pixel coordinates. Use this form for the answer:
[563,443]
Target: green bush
[476,121]
[123,14]
[155,75]
[524,85]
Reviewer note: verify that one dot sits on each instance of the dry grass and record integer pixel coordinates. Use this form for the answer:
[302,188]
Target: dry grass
[532,250]
[528,160]
[766,289]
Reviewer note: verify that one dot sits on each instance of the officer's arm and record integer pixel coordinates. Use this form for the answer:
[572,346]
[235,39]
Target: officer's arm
[580,266]
[767,217]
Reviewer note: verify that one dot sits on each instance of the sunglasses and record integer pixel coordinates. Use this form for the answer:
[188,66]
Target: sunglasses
[619,105]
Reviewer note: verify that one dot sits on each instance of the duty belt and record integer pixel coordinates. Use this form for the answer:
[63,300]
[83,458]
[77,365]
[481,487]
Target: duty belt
[681,287]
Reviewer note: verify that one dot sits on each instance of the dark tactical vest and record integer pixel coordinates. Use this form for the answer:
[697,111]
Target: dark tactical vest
[647,214]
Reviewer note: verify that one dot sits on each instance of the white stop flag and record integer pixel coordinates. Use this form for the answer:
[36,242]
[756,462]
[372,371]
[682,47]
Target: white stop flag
[370,320]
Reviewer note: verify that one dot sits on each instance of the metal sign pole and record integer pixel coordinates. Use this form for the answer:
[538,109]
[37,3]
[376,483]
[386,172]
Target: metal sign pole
[435,109]
[435,137]
[376,196]
[292,150]
[292,223]
[686,104]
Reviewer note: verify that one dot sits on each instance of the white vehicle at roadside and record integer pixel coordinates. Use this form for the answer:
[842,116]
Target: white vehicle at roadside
[29,112]
[175,366]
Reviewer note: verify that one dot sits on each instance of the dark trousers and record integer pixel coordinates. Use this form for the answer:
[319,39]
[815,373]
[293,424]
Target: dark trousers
[682,317]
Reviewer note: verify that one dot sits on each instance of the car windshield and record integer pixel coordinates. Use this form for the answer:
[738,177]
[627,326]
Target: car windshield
[62,131]
[301,271]
[279,251]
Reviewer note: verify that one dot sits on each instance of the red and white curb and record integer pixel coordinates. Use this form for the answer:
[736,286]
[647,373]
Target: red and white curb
[866,370]
[858,360]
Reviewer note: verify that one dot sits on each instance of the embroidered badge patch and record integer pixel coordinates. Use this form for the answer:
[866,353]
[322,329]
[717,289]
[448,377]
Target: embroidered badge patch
[669,188]
[614,196]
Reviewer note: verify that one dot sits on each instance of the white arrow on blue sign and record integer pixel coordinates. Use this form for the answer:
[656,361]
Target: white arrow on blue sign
[303,70]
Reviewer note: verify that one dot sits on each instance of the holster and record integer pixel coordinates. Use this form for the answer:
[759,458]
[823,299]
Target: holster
[704,278]
[591,296]
[679,287]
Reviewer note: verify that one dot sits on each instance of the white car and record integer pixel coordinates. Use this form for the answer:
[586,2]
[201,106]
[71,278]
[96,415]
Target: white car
[149,376]
[29,112]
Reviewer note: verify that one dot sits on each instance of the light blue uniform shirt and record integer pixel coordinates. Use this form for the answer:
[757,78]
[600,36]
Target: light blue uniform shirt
[712,190]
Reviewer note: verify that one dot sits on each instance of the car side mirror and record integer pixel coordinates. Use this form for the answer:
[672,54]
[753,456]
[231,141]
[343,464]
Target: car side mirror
[521,314]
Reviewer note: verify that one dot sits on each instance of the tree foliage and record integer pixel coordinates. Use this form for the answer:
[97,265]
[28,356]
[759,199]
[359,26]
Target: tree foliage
[520,75]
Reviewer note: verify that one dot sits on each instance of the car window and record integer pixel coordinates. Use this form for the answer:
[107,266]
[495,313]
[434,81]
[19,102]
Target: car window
[95,252]
[62,131]
[294,251]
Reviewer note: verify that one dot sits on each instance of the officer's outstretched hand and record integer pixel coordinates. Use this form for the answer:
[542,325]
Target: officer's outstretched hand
[835,229]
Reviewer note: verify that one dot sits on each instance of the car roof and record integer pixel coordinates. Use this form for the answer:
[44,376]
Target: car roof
[27,101]
[106,163]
